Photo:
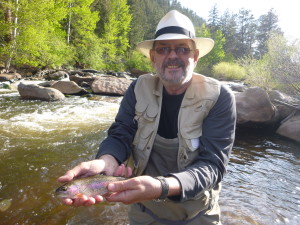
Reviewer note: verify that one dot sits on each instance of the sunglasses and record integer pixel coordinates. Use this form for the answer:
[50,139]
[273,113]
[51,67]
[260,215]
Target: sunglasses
[178,50]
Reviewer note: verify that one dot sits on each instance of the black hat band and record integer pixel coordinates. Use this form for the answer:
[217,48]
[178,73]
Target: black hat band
[174,30]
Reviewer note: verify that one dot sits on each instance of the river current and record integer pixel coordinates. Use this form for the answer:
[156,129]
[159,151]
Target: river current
[40,141]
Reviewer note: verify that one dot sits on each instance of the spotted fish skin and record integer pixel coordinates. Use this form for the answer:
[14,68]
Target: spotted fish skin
[88,186]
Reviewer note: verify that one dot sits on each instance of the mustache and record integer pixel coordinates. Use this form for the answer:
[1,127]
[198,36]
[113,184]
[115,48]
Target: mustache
[173,62]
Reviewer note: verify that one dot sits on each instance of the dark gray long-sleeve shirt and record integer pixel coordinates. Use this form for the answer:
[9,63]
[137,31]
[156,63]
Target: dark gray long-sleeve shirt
[215,143]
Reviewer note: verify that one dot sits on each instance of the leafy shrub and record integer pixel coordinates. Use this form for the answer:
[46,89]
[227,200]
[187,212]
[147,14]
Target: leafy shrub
[228,71]
[258,73]
[278,68]
[138,61]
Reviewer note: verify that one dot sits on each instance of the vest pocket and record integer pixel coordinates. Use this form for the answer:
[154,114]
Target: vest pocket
[190,144]
[141,140]
[191,136]
[145,116]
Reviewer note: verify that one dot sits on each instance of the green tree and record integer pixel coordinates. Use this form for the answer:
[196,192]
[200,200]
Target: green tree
[80,26]
[8,29]
[267,24]
[213,22]
[113,29]
[245,33]
[216,55]
[228,26]
[278,68]
[284,63]
[37,38]
[40,41]
[137,25]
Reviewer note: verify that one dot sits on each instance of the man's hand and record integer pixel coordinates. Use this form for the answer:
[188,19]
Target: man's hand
[105,164]
[139,189]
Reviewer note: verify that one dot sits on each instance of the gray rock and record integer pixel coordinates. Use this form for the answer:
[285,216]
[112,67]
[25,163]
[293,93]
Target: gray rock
[79,80]
[36,92]
[254,105]
[59,75]
[110,85]
[290,128]
[285,104]
[68,87]
[9,77]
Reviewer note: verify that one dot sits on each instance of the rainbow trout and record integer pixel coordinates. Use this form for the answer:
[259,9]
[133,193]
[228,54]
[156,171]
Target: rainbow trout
[89,186]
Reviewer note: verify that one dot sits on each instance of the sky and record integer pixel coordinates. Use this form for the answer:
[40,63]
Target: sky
[287,11]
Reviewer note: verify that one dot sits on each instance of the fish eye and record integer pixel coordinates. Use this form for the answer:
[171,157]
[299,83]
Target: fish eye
[64,188]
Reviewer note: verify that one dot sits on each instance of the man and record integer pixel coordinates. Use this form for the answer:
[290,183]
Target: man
[175,129]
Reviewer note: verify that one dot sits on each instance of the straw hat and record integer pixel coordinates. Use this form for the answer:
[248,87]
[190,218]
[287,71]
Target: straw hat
[174,26]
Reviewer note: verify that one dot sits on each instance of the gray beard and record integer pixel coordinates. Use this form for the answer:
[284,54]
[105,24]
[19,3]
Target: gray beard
[174,79]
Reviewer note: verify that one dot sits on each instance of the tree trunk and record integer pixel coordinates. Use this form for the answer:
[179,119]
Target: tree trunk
[12,20]
[8,19]
[69,23]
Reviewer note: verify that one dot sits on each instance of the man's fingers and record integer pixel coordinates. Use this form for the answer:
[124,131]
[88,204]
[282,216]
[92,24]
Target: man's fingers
[123,171]
[68,201]
[124,185]
[117,186]
[80,201]
[128,172]
[118,197]
[120,170]
[83,201]
[78,171]
[89,201]
[67,177]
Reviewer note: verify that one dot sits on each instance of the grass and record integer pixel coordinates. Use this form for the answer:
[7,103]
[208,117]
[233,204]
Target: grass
[228,71]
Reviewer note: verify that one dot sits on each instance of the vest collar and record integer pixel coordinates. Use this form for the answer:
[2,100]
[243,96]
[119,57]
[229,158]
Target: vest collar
[158,89]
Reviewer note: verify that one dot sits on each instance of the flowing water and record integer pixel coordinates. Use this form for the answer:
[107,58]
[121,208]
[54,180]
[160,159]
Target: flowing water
[39,141]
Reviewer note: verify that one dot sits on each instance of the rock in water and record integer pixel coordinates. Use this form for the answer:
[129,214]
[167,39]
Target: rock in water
[36,92]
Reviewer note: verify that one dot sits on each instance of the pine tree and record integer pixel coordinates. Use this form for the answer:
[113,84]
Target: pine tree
[267,24]
[216,55]
[137,25]
[228,26]
[80,26]
[213,22]
[113,29]
[245,33]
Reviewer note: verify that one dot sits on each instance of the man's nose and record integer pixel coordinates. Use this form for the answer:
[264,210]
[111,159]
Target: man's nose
[173,54]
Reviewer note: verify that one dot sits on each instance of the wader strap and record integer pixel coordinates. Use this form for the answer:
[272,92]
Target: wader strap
[171,222]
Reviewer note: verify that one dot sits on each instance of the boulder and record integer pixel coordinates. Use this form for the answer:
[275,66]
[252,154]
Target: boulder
[79,79]
[285,104]
[9,77]
[110,85]
[59,75]
[47,83]
[254,105]
[68,87]
[290,128]
[238,87]
[136,73]
[36,92]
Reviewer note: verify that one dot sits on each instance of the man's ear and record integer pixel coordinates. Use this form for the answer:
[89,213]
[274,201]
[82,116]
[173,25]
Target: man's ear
[151,55]
[196,55]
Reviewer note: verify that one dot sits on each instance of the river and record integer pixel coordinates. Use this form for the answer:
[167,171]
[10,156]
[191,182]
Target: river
[39,141]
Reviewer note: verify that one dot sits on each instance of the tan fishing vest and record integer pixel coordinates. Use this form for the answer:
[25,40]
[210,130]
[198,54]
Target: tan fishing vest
[200,97]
